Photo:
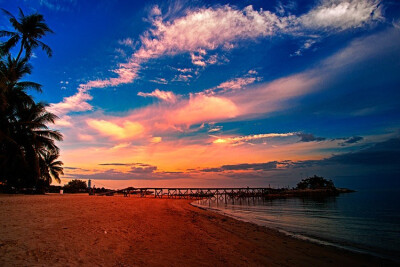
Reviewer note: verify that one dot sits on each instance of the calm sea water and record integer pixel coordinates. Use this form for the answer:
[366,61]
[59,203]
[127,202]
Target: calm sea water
[365,221]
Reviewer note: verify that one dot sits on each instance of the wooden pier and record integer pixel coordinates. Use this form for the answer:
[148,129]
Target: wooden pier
[192,193]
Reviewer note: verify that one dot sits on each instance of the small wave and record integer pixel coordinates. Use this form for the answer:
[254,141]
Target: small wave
[251,217]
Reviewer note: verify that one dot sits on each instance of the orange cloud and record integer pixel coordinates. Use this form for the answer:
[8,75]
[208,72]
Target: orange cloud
[127,130]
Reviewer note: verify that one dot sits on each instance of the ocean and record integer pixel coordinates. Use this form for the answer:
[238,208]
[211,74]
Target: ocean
[366,221]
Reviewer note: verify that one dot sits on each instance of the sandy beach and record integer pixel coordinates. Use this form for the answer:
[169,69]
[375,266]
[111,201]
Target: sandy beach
[71,230]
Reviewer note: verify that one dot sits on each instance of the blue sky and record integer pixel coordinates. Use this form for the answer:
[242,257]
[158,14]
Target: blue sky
[170,92]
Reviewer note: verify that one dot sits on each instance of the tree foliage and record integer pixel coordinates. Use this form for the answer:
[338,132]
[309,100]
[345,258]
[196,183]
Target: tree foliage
[28,152]
[315,182]
[75,186]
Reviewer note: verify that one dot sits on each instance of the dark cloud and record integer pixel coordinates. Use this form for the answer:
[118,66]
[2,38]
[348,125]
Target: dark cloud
[144,169]
[354,139]
[126,164]
[386,153]
[71,168]
[130,175]
[272,165]
[115,164]
[351,140]
[74,168]
[137,171]
[304,137]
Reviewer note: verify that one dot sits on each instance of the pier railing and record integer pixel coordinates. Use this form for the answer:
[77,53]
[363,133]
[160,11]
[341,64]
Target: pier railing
[192,193]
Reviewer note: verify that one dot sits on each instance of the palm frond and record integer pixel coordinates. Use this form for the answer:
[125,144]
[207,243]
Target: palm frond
[7,13]
[45,48]
[32,85]
[7,33]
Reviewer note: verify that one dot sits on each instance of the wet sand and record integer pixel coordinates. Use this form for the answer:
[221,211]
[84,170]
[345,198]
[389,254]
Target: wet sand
[71,230]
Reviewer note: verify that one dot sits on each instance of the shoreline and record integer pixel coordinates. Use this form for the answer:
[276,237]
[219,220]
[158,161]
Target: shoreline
[108,231]
[301,237]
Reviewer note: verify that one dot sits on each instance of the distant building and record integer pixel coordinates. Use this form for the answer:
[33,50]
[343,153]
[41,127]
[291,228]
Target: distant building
[89,183]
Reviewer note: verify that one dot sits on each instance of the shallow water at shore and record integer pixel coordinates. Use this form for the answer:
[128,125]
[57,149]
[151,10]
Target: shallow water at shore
[365,221]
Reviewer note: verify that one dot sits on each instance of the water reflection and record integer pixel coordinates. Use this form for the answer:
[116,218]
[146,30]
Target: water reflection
[347,219]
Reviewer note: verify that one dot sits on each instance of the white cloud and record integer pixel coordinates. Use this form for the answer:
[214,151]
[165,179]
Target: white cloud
[215,129]
[207,29]
[58,5]
[182,78]
[159,81]
[204,29]
[307,45]
[234,84]
[237,83]
[77,102]
[342,15]
[396,24]
[184,70]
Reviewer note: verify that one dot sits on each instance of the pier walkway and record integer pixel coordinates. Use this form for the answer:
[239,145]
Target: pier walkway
[191,193]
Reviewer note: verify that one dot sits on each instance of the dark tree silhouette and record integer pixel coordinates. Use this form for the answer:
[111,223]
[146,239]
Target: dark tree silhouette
[28,29]
[51,168]
[75,186]
[28,151]
[315,182]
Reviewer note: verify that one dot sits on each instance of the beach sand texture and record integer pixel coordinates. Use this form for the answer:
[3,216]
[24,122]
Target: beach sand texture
[72,230]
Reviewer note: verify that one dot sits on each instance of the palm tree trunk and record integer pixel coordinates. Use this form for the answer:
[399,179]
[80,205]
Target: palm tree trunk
[20,51]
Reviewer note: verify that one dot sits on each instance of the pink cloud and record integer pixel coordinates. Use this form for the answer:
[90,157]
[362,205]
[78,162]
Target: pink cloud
[182,78]
[159,81]
[274,95]
[237,83]
[201,108]
[85,137]
[166,96]
[64,121]
[248,138]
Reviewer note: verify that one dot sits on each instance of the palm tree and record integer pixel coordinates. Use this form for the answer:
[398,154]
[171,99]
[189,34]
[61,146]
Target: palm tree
[28,153]
[29,29]
[13,99]
[34,135]
[12,90]
[50,166]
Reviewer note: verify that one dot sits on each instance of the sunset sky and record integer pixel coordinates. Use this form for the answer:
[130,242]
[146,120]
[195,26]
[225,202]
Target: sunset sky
[222,93]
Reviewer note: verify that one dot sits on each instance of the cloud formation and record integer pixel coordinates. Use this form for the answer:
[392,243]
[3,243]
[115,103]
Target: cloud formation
[352,140]
[304,137]
[386,153]
[342,15]
[204,29]
[166,96]
[243,139]
[127,129]
[75,103]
